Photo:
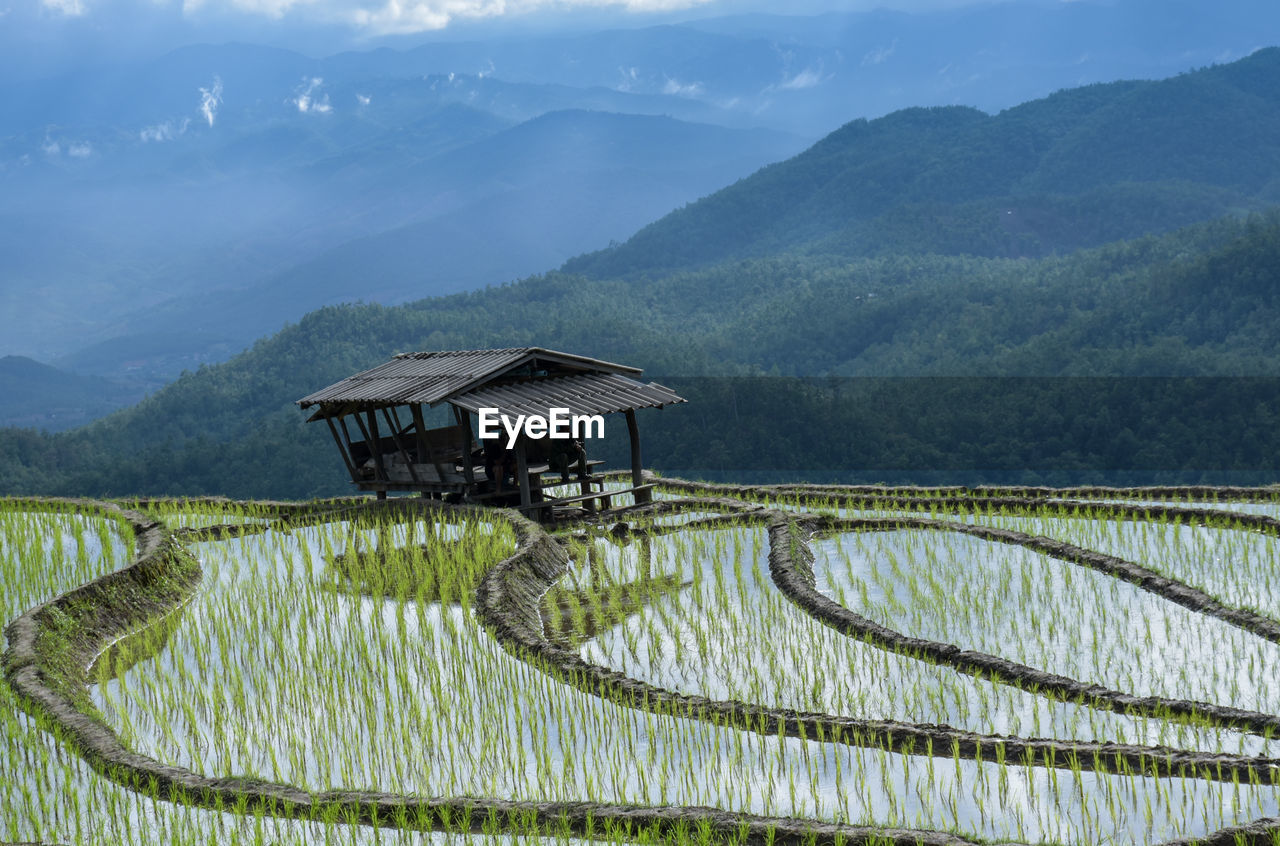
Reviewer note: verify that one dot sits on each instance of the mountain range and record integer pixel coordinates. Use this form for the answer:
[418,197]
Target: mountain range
[141,198]
[1132,321]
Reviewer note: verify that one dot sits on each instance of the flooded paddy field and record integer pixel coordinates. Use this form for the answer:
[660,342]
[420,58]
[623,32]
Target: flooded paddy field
[723,665]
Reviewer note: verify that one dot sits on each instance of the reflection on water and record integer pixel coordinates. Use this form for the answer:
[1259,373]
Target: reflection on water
[121,656]
[418,561]
[573,613]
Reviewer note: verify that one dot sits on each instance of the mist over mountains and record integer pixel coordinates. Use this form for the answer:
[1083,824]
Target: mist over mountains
[159,213]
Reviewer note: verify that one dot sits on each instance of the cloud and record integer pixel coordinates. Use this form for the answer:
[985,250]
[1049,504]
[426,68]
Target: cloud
[364,99]
[307,101]
[630,76]
[408,16]
[164,131]
[682,89]
[68,8]
[365,17]
[54,148]
[880,54]
[210,99]
[807,78]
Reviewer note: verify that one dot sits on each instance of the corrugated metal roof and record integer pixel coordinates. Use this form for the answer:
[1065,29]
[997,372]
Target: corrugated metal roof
[430,377]
[585,393]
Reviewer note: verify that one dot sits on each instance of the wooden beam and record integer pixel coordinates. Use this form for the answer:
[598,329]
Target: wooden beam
[346,433]
[364,432]
[419,428]
[404,454]
[346,459]
[637,467]
[375,446]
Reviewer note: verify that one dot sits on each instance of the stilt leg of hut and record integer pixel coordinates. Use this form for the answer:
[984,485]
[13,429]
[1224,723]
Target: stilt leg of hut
[463,419]
[637,467]
[346,459]
[522,478]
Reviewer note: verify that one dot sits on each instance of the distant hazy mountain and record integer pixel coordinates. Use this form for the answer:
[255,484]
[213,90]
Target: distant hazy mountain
[510,205]
[167,210]
[43,397]
[798,72]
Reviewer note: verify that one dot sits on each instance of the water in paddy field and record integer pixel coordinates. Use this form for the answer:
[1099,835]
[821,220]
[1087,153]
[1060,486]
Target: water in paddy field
[730,635]
[1046,613]
[323,658]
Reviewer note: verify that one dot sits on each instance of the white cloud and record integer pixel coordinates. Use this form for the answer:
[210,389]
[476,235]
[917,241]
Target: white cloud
[166,131]
[210,99]
[807,78]
[381,17]
[409,16]
[629,76]
[682,89]
[54,148]
[364,99]
[70,8]
[880,54]
[307,100]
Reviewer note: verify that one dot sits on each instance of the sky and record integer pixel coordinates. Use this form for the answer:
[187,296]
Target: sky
[47,37]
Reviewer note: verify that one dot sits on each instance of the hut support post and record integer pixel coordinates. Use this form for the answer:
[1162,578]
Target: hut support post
[404,454]
[522,477]
[375,444]
[364,432]
[637,467]
[463,419]
[420,435]
[346,459]
[419,429]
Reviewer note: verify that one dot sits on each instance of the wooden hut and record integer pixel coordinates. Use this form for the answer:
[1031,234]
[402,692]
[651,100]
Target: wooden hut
[377,420]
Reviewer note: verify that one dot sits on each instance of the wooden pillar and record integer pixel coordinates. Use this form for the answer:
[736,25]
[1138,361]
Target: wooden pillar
[404,454]
[463,419]
[419,431]
[375,444]
[346,459]
[346,434]
[522,477]
[637,467]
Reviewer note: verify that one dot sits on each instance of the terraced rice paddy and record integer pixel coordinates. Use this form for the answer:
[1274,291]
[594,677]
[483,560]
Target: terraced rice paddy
[726,665]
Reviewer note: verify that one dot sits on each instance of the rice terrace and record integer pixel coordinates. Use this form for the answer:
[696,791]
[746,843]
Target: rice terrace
[776,664]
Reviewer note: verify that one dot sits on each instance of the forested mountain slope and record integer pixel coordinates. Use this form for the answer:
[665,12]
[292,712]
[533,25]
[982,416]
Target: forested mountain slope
[1082,167]
[1200,302]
